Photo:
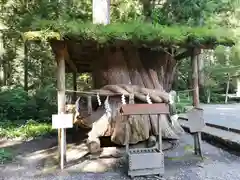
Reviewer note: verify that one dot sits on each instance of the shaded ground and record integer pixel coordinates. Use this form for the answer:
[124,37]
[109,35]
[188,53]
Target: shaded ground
[37,160]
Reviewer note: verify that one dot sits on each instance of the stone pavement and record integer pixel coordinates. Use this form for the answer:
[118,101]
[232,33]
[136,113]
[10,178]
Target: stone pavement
[226,115]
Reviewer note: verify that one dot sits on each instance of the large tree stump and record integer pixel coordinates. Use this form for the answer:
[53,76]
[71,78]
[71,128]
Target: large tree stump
[125,71]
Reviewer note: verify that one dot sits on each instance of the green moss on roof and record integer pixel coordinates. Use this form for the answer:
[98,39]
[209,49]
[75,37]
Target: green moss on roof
[135,32]
[41,35]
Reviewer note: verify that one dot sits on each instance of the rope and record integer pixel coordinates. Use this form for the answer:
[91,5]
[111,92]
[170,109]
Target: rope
[94,93]
[148,99]
[99,100]
[188,90]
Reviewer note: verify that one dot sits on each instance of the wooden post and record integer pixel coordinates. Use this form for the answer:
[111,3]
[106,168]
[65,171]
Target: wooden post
[196,102]
[74,86]
[61,101]
[195,80]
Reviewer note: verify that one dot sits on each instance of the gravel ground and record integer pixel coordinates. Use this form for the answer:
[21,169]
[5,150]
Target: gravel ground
[180,164]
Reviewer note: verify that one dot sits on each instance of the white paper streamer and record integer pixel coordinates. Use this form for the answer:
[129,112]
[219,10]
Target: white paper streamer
[106,105]
[99,100]
[123,99]
[149,101]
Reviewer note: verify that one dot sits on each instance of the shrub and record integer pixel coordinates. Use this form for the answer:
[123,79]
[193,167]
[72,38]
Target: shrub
[16,104]
[5,155]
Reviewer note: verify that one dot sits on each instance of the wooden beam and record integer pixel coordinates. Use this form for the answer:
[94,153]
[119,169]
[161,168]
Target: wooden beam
[56,45]
[89,62]
[84,66]
[187,53]
[68,59]
[79,70]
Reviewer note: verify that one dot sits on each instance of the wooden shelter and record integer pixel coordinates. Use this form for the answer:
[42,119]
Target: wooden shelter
[131,58]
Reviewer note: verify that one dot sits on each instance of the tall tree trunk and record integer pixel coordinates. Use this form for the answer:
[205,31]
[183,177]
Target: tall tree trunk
[26,66]
[208,95]
[2,68]
[101,11]
[227,88]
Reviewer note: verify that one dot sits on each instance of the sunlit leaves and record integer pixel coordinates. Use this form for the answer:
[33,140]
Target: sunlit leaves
[192,12]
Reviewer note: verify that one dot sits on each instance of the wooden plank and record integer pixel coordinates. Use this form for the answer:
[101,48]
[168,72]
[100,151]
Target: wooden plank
[68,59]
[144,109]
[186,54]
[196,120]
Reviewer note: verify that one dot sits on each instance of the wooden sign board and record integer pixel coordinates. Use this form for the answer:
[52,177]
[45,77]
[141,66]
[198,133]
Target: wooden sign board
[144,109]
[62,121]
[195,120]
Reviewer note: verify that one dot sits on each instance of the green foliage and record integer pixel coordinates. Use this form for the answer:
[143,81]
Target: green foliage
[216,95]
[217,98]
[183,100]
[193,13]
[29,129]
[18,108]
[181,108]
[126,10]
[18,105]
[18,15]
[5,155]
[137,32]
[13,103]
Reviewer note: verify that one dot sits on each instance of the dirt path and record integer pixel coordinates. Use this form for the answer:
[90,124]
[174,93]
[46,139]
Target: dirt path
[37,160]
[28,157]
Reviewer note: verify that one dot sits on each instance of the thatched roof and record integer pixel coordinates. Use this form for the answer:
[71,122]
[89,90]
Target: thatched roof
[134,32]
[83,39]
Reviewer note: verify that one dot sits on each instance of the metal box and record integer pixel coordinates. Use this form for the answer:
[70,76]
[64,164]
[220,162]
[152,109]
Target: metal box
[145,161]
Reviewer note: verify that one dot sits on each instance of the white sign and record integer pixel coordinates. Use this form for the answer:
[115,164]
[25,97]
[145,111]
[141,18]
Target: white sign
[62,121]
[195,120]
